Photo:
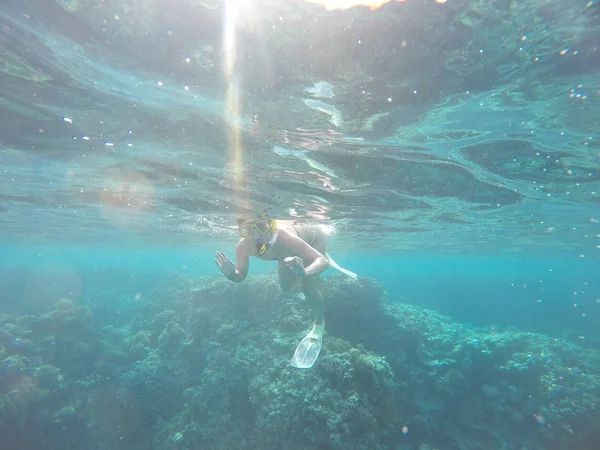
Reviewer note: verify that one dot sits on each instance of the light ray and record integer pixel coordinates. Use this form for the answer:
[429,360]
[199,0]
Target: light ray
[232,98]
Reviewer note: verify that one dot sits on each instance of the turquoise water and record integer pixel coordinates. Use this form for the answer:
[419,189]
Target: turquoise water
[451,148]
[556,296]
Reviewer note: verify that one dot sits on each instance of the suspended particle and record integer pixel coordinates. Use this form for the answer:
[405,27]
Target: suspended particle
[540,419]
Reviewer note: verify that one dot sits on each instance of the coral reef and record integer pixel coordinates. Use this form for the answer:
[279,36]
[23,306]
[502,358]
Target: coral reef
[506,387]
[204,364]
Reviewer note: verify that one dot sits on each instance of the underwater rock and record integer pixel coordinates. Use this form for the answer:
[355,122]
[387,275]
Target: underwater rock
[137,352]
[18,389]
[161,319]
[23,346]
[201,323]
[65,318]
[48,376]
[64,304]
[5,337]
[138,346]
[65,415]
[171,337]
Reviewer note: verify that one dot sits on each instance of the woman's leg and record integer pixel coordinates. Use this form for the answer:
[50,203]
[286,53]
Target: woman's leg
[310,287]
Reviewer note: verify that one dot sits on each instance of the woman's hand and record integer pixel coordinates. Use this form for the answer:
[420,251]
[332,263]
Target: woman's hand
[294,264]
[225,264]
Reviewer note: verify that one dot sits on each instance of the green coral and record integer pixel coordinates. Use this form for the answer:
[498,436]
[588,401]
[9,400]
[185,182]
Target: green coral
[390,375]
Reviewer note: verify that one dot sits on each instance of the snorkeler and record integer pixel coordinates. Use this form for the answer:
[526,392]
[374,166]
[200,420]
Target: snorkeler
[301,250]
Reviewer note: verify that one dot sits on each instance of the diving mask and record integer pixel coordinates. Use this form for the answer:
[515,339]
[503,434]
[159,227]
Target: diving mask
[260,226]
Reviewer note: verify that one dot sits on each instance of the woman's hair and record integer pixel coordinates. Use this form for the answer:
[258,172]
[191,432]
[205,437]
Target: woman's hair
[263,214]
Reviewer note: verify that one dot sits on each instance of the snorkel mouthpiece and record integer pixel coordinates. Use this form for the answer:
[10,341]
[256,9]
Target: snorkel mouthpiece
[261,248]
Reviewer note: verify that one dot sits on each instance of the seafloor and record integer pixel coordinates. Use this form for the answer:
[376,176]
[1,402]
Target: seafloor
[204,365]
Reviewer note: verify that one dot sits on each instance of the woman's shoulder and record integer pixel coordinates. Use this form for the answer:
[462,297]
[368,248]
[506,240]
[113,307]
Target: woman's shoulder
[285,222]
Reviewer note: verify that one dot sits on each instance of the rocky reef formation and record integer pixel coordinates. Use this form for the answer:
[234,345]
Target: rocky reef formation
[204,364]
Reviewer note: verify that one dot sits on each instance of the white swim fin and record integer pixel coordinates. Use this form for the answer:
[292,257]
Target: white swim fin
[341,269]
[309,348]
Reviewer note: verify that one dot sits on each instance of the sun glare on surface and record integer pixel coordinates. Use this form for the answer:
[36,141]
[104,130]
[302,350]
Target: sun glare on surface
[346,4]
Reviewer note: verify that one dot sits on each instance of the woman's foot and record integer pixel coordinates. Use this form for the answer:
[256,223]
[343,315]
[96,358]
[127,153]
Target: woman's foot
[316,334]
